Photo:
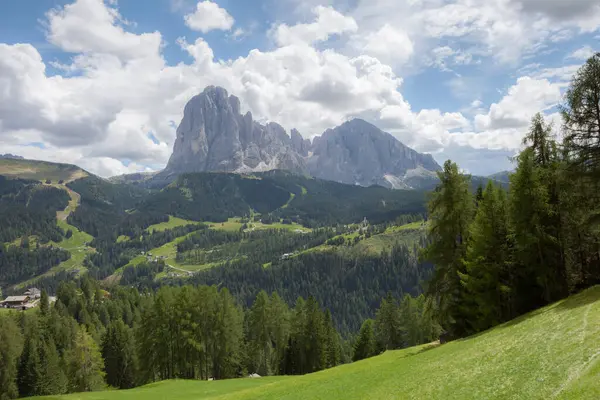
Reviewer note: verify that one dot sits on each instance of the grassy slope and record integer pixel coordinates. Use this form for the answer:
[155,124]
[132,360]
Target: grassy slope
[76,244]
[40,170]
[552,353]
[173,222]
[169,250]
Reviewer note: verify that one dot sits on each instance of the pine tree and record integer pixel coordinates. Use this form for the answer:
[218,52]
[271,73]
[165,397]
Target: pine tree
[280,330]
[29,367]
[11,345]
[450,214]
[366,344]
[259,336]
[118,352]
[44,303]
[333,347]
[489,275]
[388,329]
[581,115]
[84,364]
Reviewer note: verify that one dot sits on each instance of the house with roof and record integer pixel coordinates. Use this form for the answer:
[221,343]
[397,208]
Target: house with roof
[18,302]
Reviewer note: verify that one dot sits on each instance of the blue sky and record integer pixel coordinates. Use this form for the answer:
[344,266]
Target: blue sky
[103,83]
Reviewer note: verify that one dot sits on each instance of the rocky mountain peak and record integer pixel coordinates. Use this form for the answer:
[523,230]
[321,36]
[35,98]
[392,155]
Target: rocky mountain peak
[214,136]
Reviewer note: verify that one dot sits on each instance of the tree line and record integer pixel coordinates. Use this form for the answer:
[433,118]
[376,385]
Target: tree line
[500,254]
[90,339]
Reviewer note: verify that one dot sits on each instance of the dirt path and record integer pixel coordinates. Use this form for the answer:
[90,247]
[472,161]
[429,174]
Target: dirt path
[73,203]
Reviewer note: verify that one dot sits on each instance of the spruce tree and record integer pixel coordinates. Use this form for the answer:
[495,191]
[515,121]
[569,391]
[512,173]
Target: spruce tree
[366,344]
[118,352]
[84,364]
[11,345]
[450,215]
[489,275]
[388,329]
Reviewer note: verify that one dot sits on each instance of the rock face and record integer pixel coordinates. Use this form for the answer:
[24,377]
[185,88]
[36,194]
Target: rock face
[358,152]
[214,136]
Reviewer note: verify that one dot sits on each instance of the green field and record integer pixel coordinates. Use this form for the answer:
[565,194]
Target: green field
[235,224]
[552,353]
[40,170]
[173,222]
[76,244]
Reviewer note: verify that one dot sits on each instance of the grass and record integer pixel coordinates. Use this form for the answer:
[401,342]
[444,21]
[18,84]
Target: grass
[235,224]
[40,170]
[552,353]
[173,222]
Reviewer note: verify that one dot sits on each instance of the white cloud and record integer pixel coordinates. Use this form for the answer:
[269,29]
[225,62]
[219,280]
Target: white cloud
[522,101]
[91,26]
[582,53]
[388,44]
[209,16]
[120,100]
[328,22]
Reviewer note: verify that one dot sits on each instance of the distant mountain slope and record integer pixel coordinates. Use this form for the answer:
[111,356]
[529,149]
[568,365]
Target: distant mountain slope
[40,170]
[134,178]
[309,201]
[214,136]
[358,152]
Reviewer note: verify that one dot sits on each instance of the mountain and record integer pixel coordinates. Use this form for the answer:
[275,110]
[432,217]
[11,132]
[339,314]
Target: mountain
[502,176]
[358,152]
[10,156]
[214,136]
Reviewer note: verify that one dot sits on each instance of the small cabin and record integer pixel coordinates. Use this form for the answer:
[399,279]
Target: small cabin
[15,302]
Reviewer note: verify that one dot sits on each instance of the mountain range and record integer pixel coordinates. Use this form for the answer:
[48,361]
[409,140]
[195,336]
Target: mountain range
[214,136]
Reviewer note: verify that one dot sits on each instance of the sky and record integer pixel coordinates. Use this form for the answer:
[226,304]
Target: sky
[102,84]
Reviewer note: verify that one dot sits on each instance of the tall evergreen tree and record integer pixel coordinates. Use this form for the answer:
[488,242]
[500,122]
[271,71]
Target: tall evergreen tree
[259,336]
[388,329]
[333,347]
[450,215]
[366,344]
[11,345]
[84,364]
[120,359]
[489,273]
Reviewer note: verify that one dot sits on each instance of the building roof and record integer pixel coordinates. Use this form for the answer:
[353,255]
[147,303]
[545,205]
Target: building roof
[12,299]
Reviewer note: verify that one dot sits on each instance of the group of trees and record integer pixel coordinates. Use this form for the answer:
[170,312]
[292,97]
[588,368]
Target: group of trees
[500,254]
[29,208]
[89,338]
[19,263]
[396,326]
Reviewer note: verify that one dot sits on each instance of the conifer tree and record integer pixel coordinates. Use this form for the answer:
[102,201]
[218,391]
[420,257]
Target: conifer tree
[488,277]
[387,327]
[11,345]
[84,364]
[366,344]
[333,347]
[259,336]
[118,352]
[450,215]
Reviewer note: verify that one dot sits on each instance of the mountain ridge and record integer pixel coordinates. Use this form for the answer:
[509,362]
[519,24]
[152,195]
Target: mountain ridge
[214,136]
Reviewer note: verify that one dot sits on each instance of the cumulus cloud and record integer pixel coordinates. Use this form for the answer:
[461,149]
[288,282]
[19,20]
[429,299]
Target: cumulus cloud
[92,26]
[523,100]
[209,16]
[388,44]
[116,108]
[328,22]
